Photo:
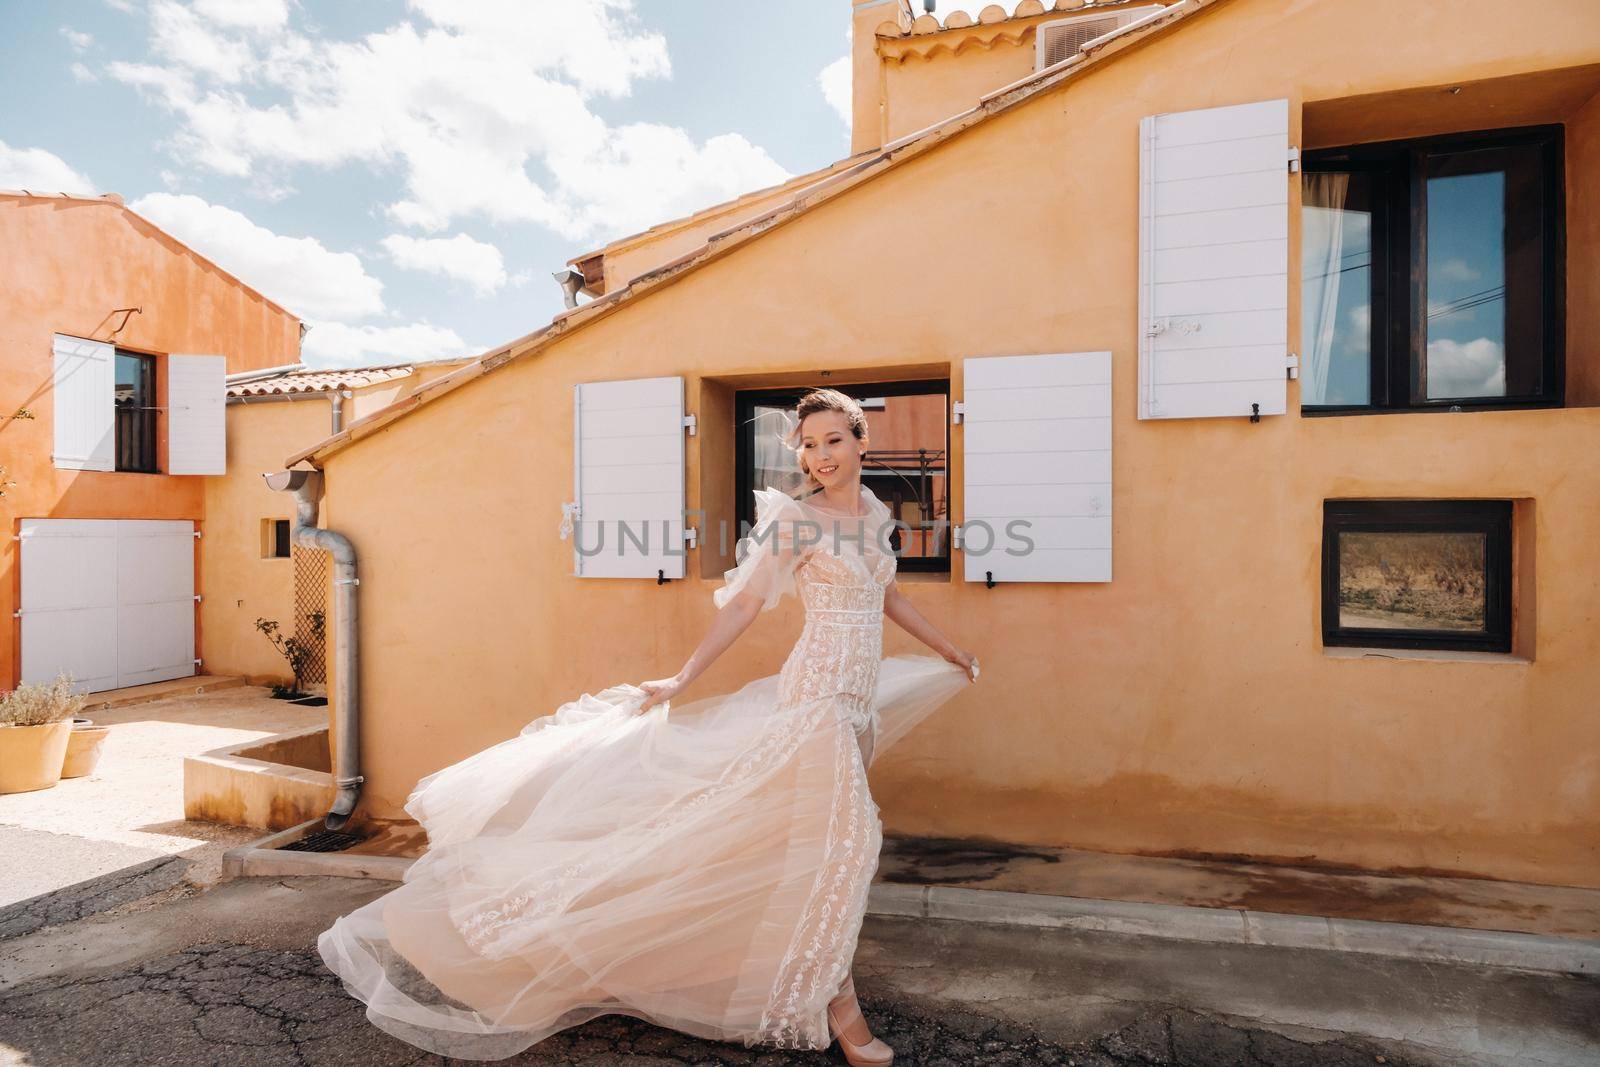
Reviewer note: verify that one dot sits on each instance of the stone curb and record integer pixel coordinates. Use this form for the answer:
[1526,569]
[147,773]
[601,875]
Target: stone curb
[1443,944]
[266,857]
[1173,922]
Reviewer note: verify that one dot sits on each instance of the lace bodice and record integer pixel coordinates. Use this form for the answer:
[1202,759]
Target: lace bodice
[839,566]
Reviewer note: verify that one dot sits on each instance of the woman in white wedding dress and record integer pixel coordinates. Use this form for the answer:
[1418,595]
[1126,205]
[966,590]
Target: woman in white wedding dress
[705,870]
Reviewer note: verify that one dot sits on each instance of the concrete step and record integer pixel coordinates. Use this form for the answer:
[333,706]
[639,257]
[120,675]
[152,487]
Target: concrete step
[144,694]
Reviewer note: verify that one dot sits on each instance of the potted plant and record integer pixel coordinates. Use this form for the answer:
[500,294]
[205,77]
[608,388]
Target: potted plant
[85,744]
[35,726]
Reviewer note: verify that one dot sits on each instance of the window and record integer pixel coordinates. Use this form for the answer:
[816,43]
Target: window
[908,440]
[1432,273]
[275,538]
[136,410]
[1417,574]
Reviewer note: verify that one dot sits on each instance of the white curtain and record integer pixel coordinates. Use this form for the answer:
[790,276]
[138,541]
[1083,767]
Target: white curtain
[1321,249]
[775,464]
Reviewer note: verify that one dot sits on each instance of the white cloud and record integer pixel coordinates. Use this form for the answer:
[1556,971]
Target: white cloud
[327,288]
[835,84]
[195,44]
[78,41]
[1457,269]
[81,73]
[337,344]
[478,264]
[1466,368]
[297,272]
[259,15]
[483,106]
[39,171]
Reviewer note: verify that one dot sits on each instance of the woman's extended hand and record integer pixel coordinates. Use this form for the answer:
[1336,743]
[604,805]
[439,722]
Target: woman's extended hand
[659,690]
[965,660]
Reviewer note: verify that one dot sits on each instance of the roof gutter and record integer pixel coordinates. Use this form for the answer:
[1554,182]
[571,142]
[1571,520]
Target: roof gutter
[263,372]
[336,397]
[307,488]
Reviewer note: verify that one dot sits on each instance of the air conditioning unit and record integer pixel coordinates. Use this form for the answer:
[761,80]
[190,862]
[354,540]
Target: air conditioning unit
[1061,39]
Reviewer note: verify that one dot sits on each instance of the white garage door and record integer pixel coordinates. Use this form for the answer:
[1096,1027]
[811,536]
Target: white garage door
[109,601]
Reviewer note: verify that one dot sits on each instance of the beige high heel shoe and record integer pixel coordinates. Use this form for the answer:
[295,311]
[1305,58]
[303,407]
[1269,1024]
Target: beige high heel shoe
[844,1011]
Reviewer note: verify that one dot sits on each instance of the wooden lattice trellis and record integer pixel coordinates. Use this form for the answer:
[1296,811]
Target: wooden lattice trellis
[310,603]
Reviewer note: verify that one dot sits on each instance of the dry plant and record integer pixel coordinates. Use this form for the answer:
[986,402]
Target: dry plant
[37,704]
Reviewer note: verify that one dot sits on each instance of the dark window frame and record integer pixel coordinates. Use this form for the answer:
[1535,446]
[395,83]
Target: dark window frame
[1493,518]
[745,401]
[136,440]
[1399,334]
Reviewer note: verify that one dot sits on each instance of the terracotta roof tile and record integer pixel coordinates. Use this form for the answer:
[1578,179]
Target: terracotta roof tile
[995,14]
[319,381]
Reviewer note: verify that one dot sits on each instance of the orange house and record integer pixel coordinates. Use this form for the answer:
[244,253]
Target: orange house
[115,341]
[246,554]
[1273,323]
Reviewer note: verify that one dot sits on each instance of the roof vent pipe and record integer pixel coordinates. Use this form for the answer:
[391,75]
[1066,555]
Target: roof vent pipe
[570,281]
[928,5]
[307,489]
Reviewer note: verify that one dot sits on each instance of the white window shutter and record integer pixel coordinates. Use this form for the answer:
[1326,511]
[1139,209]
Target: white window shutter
[1036,451]
[83,404]
[628,460]
[1214,261]
[197,430]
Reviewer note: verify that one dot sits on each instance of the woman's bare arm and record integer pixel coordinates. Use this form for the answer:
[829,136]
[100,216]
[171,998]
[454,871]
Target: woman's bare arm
[899,608]
[734,618]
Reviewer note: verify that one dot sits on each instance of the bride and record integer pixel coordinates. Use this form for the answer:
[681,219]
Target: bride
[706,870]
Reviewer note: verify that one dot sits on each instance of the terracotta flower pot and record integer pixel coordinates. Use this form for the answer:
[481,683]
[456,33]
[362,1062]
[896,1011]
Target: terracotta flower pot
[85,745]
[31,756]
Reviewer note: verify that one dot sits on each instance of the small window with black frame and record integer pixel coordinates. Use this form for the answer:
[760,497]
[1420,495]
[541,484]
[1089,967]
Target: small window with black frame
[275,543]
[1421,574]
[136,413]
[905,464]
[1432,272]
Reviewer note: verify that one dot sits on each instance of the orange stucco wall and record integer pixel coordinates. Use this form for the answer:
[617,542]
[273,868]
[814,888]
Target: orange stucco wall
[1185,707]
[919,91]
[65,266]
[629,258]
[245,585]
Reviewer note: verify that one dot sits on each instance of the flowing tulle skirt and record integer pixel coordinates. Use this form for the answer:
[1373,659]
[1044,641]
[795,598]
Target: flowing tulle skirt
[704,869]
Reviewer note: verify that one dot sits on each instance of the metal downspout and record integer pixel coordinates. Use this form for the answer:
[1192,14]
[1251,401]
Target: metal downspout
[347,779]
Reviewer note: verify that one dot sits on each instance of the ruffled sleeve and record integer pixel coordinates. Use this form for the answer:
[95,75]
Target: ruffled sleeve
[770,554]
[878,513]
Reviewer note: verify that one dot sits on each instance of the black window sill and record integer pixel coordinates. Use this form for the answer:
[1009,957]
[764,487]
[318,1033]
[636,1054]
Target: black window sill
[914,577]
[1452,408]
[1432,655]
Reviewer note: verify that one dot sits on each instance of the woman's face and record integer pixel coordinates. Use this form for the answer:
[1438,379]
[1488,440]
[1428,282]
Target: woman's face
[828,448]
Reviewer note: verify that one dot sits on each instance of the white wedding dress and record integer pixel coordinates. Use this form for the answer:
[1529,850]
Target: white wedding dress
[704,869]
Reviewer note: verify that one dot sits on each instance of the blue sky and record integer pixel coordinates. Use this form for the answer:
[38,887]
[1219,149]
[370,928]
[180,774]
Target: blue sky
[406,174]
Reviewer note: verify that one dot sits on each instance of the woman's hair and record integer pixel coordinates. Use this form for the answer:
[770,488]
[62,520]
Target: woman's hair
[824,400]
